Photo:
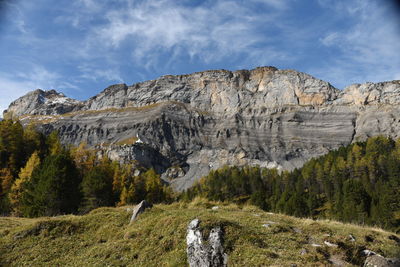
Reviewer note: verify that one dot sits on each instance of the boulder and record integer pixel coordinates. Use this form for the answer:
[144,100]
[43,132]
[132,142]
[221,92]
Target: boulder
[380,261]
[140,208]
[201,254]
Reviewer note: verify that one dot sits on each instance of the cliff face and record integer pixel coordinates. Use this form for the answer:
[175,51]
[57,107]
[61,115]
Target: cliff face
[190,124]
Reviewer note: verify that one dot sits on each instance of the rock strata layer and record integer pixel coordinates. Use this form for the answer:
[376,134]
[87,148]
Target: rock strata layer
[190,124]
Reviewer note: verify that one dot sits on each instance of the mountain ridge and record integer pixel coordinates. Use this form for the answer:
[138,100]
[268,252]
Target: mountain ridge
[204,120]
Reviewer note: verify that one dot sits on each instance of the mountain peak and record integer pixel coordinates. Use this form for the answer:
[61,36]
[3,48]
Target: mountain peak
[42,102]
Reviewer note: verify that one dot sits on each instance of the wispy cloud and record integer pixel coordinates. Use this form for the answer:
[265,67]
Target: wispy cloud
[96,74]
[278,4]
[15,85]
[369,48]
[210,32]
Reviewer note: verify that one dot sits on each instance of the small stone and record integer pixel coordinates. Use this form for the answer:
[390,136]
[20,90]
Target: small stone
[368,252]
[296,230]
[329,244]
[266,225]
[337,260]
[215,208]
[352,238]
[315,245]
[303,251]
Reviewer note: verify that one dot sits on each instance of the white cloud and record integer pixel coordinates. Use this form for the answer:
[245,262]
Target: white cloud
[278,4]
[330,39]
[210,32]
[96,74]
[18,84]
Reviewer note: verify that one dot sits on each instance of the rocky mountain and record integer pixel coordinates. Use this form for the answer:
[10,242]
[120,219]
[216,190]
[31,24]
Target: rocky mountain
[185,125]
[41,102]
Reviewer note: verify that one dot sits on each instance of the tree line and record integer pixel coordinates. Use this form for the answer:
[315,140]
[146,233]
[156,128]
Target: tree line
[41,177]
[359,183]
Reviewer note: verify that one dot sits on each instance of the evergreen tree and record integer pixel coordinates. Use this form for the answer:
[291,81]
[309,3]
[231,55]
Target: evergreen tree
[53,188]
[356,202]
[6,180]
[97,186]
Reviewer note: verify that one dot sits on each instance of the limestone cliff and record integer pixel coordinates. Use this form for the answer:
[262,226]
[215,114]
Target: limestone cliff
[189,124]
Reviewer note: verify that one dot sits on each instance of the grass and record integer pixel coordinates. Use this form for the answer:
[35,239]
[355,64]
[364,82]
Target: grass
[44,119]
[104,237]
[127,141]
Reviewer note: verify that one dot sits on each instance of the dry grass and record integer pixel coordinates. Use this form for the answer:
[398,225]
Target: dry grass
[43,119]
[127,141]
[105,238]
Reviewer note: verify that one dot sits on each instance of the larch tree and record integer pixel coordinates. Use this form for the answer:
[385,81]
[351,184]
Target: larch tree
[19,186]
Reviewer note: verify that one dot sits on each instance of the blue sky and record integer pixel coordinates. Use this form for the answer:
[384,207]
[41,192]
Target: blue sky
[80,47]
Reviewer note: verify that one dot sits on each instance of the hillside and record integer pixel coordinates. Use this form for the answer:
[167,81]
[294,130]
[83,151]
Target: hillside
[202,121]
[158,238]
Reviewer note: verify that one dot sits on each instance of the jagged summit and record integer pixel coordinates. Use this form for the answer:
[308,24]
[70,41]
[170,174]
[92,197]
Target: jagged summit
[42,102]
[216,90]
[192,123]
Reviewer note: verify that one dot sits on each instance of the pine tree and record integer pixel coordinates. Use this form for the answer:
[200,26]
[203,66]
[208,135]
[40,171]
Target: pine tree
[97,186]
[356,201]
[6,180]
[53,188]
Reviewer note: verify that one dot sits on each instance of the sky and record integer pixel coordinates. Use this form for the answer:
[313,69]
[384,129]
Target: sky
[80,47]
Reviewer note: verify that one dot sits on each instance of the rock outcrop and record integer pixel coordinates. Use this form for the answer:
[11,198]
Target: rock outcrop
[140,208]
[202,121]
[199,253]
[379,261]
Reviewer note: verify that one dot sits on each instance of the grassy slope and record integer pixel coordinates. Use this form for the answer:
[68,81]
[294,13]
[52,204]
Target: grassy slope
[157,238]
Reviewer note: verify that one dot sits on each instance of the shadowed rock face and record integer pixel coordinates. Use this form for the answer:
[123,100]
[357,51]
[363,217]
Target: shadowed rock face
[197,122]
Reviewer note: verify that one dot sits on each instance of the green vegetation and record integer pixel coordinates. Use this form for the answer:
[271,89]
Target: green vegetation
[41,177]
[359,183]
[158,238]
